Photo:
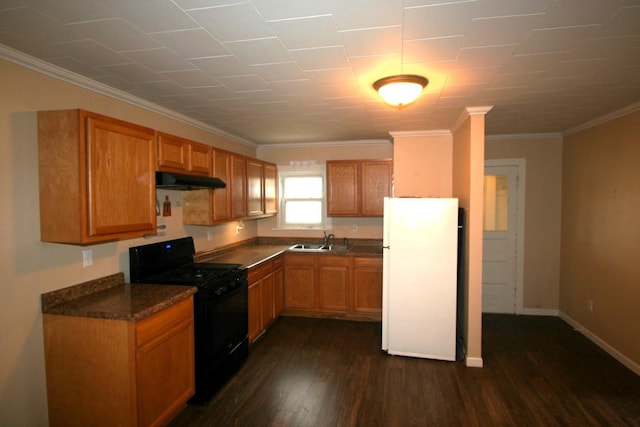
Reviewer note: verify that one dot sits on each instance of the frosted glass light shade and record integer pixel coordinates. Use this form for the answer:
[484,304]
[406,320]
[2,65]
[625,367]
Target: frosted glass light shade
[400,91]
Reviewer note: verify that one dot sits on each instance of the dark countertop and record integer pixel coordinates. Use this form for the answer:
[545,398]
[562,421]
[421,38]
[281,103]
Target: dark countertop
[110,298]
[247,255]
[250,255]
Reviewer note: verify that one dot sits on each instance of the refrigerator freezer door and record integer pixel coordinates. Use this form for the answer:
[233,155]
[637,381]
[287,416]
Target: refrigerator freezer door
[419,277]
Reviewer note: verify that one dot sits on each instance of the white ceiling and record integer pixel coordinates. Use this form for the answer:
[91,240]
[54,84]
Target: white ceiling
[277,71]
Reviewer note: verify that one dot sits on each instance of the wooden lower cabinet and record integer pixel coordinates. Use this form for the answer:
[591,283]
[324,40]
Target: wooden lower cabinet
[333,286]
[367,285]
[299,281]
[333,283]
[265,295]
[105,372]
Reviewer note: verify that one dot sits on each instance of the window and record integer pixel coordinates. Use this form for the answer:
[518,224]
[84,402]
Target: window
[302,204]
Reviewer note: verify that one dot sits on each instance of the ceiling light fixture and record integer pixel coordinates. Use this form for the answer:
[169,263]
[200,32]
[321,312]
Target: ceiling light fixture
[401,90]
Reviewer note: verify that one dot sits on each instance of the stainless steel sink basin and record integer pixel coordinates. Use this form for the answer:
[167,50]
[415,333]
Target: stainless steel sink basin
[308,248]
[318,248]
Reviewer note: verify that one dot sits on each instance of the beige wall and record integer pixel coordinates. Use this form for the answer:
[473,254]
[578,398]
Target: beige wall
[352,228]
[543,195]
[601,234]
[424,164]
[29,267]
[467,184]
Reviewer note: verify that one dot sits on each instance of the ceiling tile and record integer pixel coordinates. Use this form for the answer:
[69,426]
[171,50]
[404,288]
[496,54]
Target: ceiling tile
[307,33]
[624,22]
[68,11]
[501,30]
[274,10]
[450,19]
[196,43]
[259,51]
[430,50]
[360,14]
[320,58]
[376,41]
[283,71]
[232,23]
[159,60]
[117,34]
[151,15]
[220,66]
[555,39]
[191,78]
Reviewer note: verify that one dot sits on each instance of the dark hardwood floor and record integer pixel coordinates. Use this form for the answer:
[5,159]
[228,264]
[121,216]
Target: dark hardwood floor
[317,372]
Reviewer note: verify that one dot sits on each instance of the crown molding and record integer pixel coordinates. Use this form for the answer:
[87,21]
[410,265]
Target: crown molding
[435,132]
[70,77]
[603,119]
[325,144]
[543,135]
[468,112]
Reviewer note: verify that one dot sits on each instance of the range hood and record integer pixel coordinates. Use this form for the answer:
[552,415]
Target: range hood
[176,181]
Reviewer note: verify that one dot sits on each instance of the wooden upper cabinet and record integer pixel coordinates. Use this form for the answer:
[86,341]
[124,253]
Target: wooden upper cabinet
[251,191]
[358,187]
[238,186]
[222,196]
[376,185]
[343,188]
[270,189]
[96,178]
[180,155]
[255,187]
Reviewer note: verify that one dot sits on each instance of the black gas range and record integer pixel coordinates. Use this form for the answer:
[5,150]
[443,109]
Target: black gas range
[220,307]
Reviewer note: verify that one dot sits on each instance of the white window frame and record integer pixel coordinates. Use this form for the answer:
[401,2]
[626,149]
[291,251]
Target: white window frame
[291,171]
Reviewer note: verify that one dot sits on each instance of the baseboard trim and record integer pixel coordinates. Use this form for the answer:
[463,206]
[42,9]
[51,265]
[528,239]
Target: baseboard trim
[474,362]
[601,343]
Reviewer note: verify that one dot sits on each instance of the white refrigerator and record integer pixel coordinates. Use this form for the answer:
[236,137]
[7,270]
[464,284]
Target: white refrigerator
[419,284]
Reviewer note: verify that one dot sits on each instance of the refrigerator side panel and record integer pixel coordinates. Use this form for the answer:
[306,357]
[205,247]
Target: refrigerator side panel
[421,277]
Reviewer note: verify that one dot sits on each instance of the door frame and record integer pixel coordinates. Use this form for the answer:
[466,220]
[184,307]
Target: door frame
[521,165]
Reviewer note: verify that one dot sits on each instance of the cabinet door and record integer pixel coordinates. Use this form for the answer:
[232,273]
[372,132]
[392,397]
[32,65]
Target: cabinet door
[199,159]
[172,153]
[165,363]
[376,185]
[121,187]
[238,187]
[278,285]
[343,188]
[255,316]
[222,196]
[270,189]
[266,300]
[255,205]
[299,282]
[367,285]
[333,283]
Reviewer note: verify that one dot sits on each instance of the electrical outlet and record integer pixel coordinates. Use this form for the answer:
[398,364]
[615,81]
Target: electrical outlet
[590,305]
[209,235]
[87,257]
[354,228]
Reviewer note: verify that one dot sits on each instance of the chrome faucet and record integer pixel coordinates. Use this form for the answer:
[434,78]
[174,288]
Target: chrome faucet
[327,237]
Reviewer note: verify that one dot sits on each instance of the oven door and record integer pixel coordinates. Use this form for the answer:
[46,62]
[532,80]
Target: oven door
[221,337]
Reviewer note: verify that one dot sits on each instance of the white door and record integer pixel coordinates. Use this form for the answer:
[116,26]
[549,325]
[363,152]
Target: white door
[502,221]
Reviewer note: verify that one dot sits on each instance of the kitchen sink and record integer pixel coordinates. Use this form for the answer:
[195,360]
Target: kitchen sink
[309,248]
[318,248]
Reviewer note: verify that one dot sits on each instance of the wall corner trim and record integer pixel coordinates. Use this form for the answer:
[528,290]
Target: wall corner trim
[474,362]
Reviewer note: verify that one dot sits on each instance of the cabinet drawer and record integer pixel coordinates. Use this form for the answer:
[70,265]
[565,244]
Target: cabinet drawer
[261,270]
[163,321]
[278,262]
